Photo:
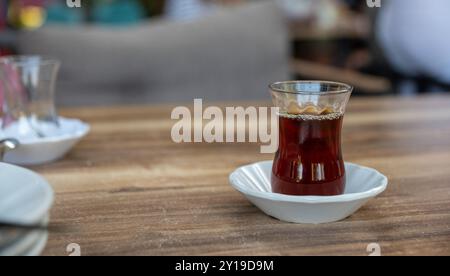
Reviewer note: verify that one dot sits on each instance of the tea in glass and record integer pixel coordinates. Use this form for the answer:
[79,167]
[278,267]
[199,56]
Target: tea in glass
[309,159]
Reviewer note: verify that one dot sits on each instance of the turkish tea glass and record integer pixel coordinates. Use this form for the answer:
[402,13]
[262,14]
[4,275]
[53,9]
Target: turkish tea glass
[27,96]
[309,158]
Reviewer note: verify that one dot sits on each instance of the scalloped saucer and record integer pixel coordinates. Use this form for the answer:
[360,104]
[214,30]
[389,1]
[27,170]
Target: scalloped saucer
[362,184]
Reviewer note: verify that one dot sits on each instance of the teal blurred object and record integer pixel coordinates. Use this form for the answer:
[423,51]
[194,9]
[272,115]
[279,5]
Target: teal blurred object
[118,12]
[58,12]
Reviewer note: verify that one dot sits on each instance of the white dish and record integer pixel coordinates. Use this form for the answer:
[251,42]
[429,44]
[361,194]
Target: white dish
[254,182]
[36,151]
[25,197]
[39,246]
[9,236]
[30,244]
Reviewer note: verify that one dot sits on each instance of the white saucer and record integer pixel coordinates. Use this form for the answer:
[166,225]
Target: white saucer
[31,243]
[254,182]
[39,246]
[36,151]
[25,197]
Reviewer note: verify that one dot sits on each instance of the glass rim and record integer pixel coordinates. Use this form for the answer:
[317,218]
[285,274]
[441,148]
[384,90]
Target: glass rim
[21,60]
[346,87]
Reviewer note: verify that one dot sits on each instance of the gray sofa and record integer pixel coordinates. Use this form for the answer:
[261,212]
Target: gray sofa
[231,54]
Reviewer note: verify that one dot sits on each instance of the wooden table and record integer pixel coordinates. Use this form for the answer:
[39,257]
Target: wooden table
[127,189]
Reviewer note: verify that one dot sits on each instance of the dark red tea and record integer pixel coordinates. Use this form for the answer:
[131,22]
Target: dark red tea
[309,159]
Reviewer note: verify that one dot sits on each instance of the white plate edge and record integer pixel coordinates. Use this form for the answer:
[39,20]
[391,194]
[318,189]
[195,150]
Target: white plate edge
[310,199]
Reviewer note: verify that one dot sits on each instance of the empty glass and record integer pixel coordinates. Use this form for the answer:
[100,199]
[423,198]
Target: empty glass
[27,88]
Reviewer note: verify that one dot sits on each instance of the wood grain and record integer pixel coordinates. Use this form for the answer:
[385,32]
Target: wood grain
[127,189]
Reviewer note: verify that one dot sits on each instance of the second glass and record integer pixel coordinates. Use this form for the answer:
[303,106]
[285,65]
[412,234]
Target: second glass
[27,86]
[309,159]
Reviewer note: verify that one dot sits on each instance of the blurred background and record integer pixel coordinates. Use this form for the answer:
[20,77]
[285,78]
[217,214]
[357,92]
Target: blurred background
[152,51]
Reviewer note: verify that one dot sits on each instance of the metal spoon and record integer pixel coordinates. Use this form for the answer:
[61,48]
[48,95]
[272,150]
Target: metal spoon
[7,145]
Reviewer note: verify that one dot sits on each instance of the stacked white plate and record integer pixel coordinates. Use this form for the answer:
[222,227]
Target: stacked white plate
[25,198]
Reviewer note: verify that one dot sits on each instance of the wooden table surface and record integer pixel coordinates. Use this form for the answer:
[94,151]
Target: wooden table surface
[127,189]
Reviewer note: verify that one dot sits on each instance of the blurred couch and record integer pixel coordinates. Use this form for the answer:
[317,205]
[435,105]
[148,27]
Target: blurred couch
[231,54]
